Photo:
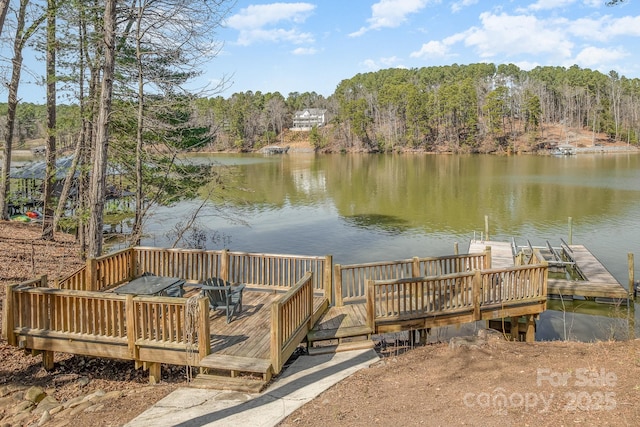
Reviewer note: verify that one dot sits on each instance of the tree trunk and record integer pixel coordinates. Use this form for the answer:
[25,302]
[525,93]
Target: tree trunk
[4,6]
[137,226]
[12,104]
[99,171]
[49,181]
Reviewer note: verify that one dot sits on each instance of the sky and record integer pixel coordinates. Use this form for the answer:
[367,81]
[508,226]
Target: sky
[313,46]
[304,46]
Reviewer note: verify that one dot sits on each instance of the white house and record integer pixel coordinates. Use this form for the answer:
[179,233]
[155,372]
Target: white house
[308,118]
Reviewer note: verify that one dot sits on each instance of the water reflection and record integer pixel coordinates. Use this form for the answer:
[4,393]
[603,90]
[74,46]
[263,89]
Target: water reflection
[364,208]
[385,223]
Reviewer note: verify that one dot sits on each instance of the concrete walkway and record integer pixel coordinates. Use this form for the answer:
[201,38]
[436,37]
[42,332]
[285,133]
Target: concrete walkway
[304,380]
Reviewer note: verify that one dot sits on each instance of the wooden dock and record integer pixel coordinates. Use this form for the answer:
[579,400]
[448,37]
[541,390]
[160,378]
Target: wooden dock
[418,294]
[599,282]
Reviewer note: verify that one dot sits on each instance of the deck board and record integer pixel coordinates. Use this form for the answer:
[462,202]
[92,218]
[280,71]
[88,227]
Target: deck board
[249,333]
[344,321]
[590,266]
[501,252]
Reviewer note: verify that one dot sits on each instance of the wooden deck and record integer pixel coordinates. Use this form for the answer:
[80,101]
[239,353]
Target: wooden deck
[284,297]
[421,293]
[599,282]
[244,344]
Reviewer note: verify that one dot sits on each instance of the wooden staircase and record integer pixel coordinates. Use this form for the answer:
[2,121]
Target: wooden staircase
[225,372]
[341,339]
[340,329]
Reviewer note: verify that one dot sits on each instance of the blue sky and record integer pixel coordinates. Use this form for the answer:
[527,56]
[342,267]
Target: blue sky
[312,46]
[309,46]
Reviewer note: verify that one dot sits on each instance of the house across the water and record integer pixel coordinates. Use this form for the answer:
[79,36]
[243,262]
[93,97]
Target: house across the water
[308,118]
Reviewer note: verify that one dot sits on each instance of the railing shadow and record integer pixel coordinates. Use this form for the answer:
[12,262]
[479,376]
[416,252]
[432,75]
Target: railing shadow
[289,387]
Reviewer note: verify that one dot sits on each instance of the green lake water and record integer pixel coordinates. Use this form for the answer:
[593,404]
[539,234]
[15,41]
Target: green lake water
[362,208]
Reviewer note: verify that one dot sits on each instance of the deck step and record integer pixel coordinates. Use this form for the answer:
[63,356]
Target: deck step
[347,346]
[225,362]
[329,334]
[218,382]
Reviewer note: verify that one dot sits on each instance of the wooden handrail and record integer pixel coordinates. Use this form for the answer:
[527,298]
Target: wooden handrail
[106,320]
[475,291]
[350,279]
[291,318]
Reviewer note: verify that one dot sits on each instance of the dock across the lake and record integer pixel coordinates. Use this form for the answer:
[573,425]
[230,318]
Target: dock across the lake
[598,283]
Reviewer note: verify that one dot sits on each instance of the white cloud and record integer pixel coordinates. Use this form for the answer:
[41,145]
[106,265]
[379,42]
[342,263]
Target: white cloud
[370,64]
[457,6]
[304,51]
[390,14]
[625,26]
[550,4]
[388,62]
[605,28]
[265,22]
[512,35]
[593,3]
[276,35]
[595,56]
[431,49]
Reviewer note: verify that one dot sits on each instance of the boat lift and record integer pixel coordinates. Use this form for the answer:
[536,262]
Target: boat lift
[559,258]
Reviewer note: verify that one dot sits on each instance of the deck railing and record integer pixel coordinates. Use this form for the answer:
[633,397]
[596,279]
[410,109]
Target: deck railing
[283,271]
[75,281]
[163,323]
[502,287]
[111,270]
[100,273]
[417,298]
[103,324]
[194,265]
[351,279]
[291,320]
[471,292]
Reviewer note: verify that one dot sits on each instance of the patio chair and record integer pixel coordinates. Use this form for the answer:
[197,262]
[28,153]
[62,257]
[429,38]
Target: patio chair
[175,291]
[223,296]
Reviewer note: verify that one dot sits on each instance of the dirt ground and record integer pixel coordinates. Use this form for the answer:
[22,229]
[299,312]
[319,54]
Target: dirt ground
[23,255]
[499,383]
[485,384]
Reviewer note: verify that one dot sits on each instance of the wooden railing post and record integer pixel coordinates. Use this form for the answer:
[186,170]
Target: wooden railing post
[224,264]
[276,337]
[8,311]
[487,260]
[204,333]
[328,279]
[310,303]
[133,264]
[337,277]
[477,289]
[486,228]
[415,267]
[131,328]
[371,307]
[91,275]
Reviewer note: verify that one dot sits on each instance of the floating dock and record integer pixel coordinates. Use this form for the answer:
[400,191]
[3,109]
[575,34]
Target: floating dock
[598,281]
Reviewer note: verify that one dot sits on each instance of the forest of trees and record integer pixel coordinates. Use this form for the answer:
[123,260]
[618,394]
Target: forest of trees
[122,69]
[458,108]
